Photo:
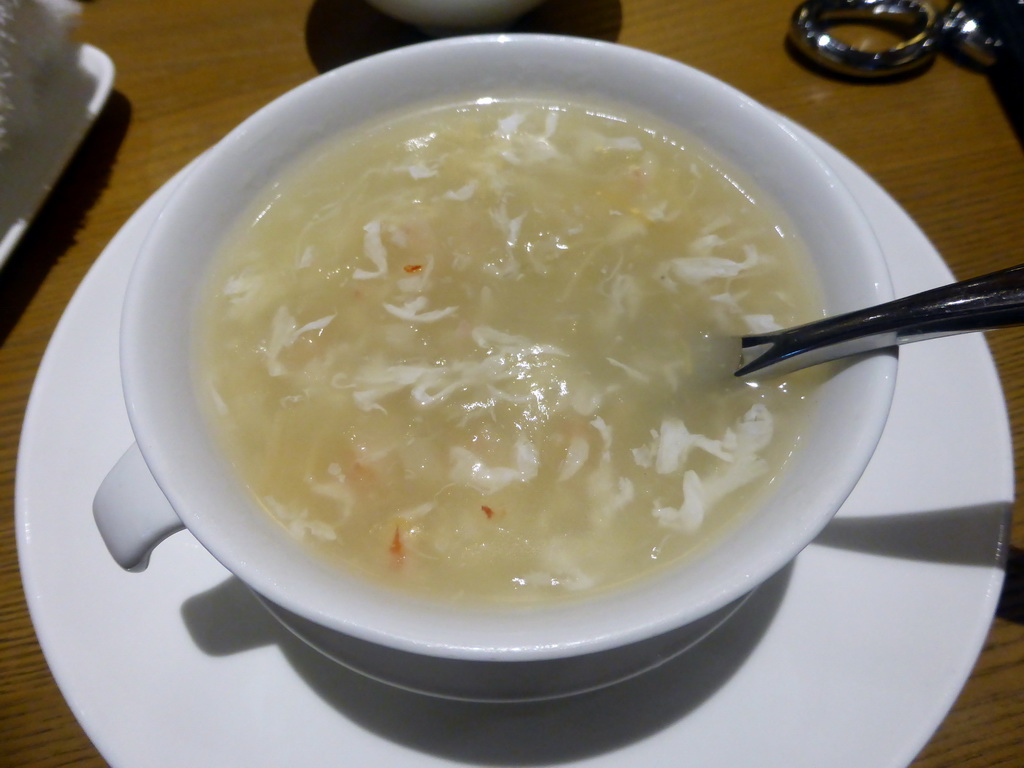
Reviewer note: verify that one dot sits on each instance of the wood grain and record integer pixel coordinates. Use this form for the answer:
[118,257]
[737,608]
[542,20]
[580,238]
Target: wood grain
[189,71]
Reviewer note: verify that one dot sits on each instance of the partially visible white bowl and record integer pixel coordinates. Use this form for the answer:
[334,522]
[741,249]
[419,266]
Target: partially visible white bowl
[495,654]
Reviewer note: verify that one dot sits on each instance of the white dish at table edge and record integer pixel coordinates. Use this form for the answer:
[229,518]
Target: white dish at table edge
[70,100]
[851,657]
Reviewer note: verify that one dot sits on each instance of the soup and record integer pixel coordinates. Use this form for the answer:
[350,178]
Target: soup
[465,351]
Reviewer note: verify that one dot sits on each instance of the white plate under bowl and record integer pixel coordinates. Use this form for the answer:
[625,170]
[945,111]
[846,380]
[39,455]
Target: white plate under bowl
[849,658]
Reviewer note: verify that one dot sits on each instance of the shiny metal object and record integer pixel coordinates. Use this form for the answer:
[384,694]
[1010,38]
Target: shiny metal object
[983,303]
[927,32]
[962,33]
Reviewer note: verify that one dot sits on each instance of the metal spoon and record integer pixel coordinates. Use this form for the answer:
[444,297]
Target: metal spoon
[982,303]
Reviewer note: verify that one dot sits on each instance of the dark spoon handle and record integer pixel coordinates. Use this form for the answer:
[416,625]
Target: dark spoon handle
[982,303]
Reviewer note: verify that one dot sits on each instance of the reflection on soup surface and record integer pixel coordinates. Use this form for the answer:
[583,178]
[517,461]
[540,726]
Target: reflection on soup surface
[465,351]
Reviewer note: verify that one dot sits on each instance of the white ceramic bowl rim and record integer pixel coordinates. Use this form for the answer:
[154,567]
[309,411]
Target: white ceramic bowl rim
[169,427]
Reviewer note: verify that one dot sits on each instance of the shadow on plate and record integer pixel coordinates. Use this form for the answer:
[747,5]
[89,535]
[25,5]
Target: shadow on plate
[341,31]
[950,536]
[960,536]
[228,619]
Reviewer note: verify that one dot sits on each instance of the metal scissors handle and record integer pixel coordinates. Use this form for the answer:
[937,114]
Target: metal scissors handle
[928,31]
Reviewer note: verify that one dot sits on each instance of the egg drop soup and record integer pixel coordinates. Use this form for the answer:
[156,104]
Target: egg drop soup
[463,351]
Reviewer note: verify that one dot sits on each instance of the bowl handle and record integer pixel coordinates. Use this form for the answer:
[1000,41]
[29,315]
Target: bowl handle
[132,513]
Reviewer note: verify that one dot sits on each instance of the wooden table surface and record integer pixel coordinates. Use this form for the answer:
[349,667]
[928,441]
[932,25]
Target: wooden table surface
[190,70]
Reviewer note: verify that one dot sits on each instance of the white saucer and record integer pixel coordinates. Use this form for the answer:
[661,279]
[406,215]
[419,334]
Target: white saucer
[71,98]
[849,658]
